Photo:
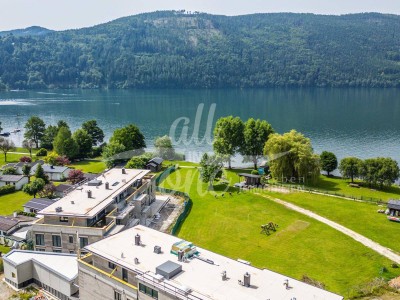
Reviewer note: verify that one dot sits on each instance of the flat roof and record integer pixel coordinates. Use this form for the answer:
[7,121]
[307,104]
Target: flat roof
[78,204]
[62,264]
[202,277]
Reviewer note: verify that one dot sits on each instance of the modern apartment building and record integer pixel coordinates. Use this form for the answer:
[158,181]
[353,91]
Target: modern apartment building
[141,263]
[113,201]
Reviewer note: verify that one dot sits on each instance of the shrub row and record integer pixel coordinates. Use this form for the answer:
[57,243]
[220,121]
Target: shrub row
[7,189]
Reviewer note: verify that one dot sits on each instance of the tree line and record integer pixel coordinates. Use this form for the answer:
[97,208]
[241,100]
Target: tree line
[289,155]
[177,50]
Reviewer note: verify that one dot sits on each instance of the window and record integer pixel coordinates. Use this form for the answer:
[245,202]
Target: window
[64,219]
[71,252]
[117,295]
[39,239]
[83,241]
[40,249]
[125,275]
[13,275]
[56,250]
[111,265]
[148,291]
[56,240]
[71,239]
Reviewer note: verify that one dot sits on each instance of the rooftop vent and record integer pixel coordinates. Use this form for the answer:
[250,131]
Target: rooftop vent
[89,194]
[169,269]
[59,209]
[72,202]
[181,255]
[136,260]
[107,185]
[51,167]
[223,275]
[123,171]
[94,182]
[137,240]
[246,279]
[157,249]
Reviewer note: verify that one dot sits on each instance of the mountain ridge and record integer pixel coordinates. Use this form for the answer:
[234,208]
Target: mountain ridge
[170,49]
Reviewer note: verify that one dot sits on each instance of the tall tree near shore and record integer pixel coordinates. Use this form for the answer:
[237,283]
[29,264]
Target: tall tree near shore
[35,128]
[164,147]
[255,134]
[62,123]
[94,131]
[28,145]
[6,146]
[291,155]
[111,153]
[379,171]
[328,161]
[64,144]
[48,138]
[130,137]
[84,142]
[228,137]
[350,167]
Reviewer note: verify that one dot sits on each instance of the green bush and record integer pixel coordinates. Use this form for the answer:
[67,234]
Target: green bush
[7,189]
[254,172]
[1,266]
[41,152]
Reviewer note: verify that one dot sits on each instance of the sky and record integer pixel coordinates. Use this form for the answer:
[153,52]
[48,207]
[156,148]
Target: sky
[71,14]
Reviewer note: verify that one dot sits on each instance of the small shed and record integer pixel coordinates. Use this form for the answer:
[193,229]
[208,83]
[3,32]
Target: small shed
[394,210]
[155,164]
[251,179]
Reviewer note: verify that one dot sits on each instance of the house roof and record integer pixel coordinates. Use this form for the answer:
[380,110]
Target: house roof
[90,176]
[62,187]
[39,203]
[9,165]
[53,169]
[156,160]
[7,223]
[394,204]
[11,178]
[65,265]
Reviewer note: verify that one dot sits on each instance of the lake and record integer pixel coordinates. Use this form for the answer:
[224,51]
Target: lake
[349,122]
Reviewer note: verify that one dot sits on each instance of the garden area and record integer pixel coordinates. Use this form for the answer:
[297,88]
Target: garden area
[230,225]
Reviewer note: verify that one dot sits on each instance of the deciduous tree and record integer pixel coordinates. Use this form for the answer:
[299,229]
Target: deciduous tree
[350,167]
[228,137]
[64,144]
[130,137]
[164,147]
[94,131]
[6,146]
[211,169]
[84,142]
[255,135]
[34,130]
[34,187]
[328,161]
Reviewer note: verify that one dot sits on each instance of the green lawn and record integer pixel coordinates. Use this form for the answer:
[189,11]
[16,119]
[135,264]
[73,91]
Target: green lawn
[12,202]
[89,166]
[358,216]
[4,249]
[341,186]
[230,226]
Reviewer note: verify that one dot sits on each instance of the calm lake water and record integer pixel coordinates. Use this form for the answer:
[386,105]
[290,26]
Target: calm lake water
[357,122]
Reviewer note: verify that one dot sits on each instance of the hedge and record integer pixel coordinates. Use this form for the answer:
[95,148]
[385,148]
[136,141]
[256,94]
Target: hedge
[7,189]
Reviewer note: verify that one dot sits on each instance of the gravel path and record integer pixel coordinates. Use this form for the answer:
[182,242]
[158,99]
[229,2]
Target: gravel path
[354,235]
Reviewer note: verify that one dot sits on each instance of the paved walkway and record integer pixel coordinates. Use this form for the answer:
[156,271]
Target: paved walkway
[388,253]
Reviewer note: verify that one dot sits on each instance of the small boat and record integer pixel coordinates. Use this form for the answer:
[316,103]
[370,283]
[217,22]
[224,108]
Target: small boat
[5,134]
[16,130]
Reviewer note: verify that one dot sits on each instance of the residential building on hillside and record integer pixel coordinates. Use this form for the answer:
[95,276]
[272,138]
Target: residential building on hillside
[142,263]
[115,200]
[56,173]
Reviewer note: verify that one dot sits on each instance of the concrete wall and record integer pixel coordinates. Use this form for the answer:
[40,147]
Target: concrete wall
[23,272]
[95,285]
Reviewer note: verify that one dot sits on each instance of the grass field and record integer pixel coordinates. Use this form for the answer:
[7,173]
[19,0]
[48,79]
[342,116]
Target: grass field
[4,249]
[89,166]
[341,186]
[230,226]
[12,202]
[358,216]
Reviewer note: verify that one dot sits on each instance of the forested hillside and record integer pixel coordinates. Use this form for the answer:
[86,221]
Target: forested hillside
[175,49]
